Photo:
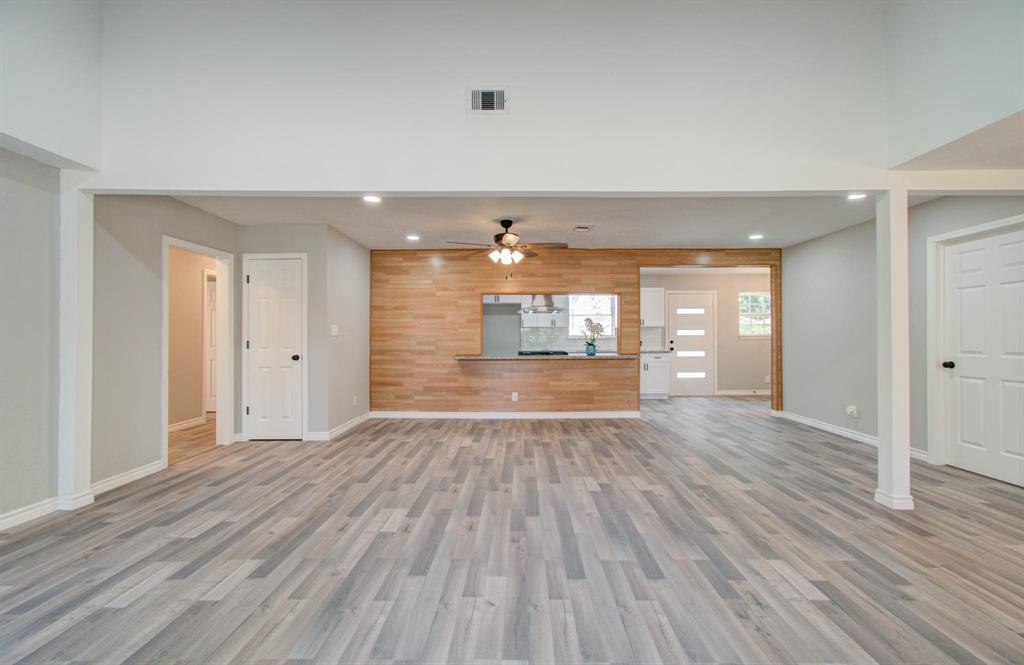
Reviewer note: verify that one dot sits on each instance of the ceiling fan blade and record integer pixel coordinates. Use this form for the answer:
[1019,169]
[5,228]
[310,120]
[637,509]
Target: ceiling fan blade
[474,244]
[548,245]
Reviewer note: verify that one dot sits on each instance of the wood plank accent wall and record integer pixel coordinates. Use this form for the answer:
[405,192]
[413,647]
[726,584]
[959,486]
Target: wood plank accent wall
[426,308]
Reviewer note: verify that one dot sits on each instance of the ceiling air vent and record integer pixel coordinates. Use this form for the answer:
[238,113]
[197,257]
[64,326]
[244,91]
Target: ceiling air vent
[488,100]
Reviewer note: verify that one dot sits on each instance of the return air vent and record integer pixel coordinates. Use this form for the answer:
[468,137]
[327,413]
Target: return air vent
[487,100]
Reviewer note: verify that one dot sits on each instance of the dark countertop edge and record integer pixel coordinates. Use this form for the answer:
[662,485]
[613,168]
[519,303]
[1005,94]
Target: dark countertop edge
[579,356]
[655,351]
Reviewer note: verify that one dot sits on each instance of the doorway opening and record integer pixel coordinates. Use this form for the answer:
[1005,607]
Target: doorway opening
[198,390]
[707,332]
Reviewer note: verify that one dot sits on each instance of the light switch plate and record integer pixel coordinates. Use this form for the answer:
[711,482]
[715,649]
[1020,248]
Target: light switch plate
[334,330]
[852,411]
[515,397]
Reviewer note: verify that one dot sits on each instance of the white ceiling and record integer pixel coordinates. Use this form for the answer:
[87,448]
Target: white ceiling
[617,221]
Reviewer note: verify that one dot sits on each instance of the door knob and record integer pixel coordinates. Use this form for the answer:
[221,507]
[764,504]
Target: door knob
[949,364]
[295,357]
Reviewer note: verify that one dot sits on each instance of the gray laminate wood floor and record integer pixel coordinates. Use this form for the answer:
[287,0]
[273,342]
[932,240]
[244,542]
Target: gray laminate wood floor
[706,532]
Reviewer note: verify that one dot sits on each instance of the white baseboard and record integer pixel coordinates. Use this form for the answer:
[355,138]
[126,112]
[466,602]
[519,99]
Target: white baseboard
[185,424]
[505,415]
[653,395]
[346,426]
[744,392]
[13,518]
[239,437]
[76,501]
[315,436]
[112,482]
[869,439]
[894,502]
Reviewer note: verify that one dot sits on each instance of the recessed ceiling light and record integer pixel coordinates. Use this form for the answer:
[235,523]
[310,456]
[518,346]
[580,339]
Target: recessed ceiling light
[371,198]
[412,236]
[856,196]
[756,236]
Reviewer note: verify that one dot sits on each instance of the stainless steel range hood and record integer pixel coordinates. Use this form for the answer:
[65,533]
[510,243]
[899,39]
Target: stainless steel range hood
[542,304]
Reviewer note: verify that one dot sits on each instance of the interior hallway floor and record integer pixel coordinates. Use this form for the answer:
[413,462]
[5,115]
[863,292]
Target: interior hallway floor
[708,531]
[189,442]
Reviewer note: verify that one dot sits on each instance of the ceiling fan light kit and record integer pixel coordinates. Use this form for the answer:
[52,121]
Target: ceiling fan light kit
[506,249]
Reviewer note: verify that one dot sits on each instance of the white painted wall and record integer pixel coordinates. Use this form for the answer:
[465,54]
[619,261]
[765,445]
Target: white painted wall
[953,67]
[29,249]
[50,80]
[604,95]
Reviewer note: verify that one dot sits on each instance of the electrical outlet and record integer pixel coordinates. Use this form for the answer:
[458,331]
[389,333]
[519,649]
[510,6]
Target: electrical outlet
[515,397]
[355,400]
[334,330]
[852,411]
[767,379]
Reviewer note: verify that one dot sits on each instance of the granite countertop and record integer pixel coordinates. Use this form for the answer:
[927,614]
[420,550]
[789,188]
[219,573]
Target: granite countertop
[571,356]
[653,351]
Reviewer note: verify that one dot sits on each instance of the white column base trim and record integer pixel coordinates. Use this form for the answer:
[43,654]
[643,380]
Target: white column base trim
[315,436]
[654,396]
[894,502]
[27,513]
[128,476]
[76,501]
[240,437]
[505,415]
[346,426]
[185,424]
[869,439]
[744,392]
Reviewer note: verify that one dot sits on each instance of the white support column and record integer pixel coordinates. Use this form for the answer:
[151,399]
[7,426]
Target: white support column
[74,453]
[892,274]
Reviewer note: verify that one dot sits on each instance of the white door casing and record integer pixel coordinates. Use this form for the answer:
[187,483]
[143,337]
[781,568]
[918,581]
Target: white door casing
[692,335]
[275,347]
[209,340]
[983,337]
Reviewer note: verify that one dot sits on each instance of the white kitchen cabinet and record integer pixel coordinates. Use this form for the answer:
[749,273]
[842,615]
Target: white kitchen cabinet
[654,376]
[652,307]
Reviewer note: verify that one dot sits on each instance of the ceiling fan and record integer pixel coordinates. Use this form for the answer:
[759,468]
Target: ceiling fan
[506,248]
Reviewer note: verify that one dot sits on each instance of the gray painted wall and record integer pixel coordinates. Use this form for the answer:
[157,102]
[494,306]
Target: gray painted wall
[29,297]
[742,362]
[127,321]
[829,342]
[348,307]
[828,328]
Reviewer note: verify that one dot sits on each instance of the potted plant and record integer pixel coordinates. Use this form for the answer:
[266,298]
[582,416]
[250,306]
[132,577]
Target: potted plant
[591,331]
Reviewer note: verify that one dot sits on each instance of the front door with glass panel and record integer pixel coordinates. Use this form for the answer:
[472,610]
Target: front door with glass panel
[984,355]
[691,332]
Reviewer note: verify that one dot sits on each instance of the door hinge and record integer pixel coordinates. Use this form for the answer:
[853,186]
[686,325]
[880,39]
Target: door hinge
[247,344]
[246,410]
[247,279]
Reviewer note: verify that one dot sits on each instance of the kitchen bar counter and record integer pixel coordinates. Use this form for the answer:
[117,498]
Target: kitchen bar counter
[571,356]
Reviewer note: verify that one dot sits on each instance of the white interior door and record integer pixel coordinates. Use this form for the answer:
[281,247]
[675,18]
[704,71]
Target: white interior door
[691,334]
[275,353]
[984,341]
[210,342]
